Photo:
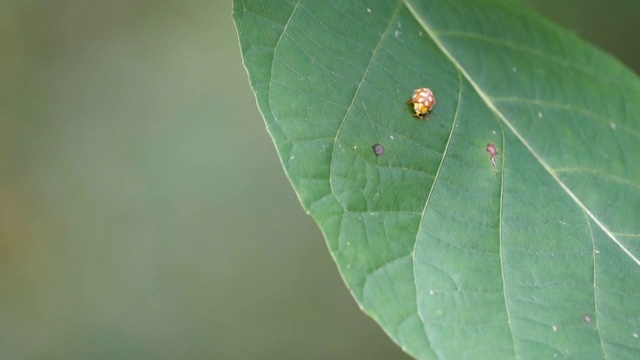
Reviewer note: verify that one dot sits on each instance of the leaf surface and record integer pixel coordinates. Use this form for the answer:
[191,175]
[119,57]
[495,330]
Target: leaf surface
[537,260]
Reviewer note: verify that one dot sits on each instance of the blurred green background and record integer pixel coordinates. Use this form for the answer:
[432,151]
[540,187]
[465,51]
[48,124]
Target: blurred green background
[143,210]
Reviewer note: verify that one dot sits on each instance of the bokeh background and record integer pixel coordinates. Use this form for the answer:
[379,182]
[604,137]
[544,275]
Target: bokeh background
[144,213]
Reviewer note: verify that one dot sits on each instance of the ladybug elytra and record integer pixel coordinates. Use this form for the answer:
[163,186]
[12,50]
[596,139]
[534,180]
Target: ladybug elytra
[423,102]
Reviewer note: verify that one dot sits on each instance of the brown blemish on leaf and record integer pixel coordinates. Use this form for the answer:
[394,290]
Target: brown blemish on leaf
[378,149]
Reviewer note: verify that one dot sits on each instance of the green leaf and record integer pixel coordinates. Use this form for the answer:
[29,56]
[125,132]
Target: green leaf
[537,260]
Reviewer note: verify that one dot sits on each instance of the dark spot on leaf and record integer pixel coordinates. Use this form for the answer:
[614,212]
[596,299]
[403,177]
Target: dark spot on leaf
[378,149]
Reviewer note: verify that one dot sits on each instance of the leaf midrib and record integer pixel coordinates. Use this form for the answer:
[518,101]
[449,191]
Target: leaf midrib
[486,99]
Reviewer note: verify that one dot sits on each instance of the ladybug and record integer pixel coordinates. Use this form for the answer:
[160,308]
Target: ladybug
[423,102]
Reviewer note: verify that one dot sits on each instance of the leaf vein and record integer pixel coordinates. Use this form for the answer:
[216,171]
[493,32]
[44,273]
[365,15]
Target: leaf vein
[597,173]
[606,120]
[433,185]
[355,96]
[501,245]
[526,49]
[492,106]
[595,288]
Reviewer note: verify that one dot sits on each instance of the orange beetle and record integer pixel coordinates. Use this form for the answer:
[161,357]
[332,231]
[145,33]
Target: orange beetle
[423,102]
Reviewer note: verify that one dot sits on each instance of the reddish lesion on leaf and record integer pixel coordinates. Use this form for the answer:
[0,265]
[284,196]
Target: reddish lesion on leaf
[491,149]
